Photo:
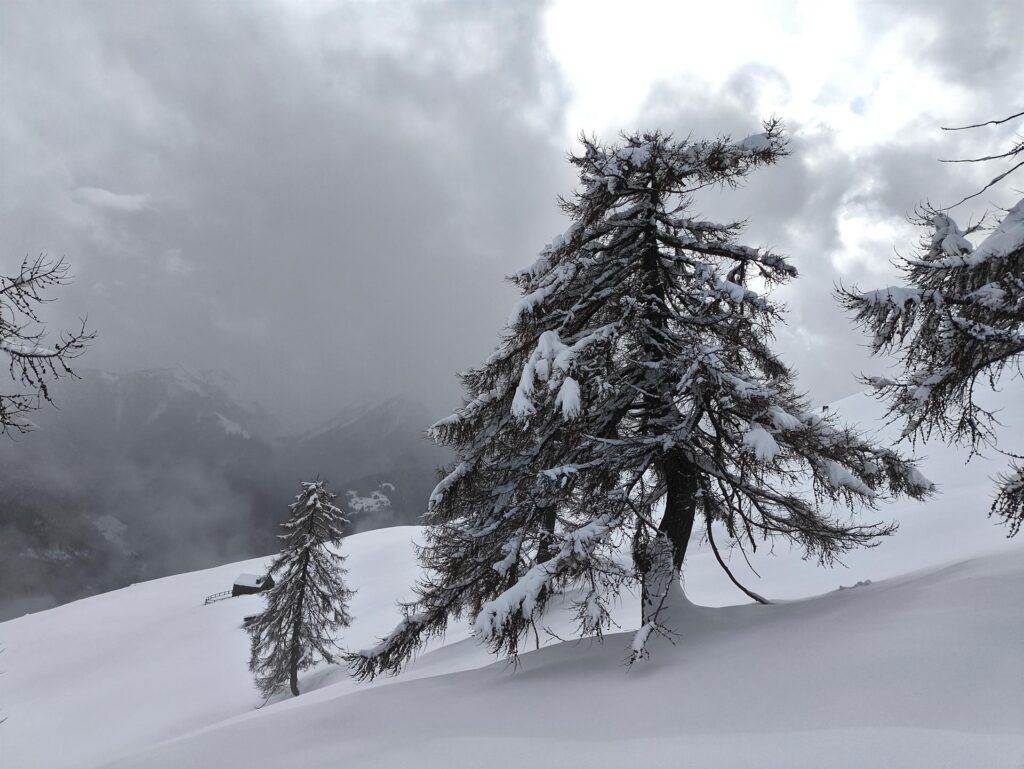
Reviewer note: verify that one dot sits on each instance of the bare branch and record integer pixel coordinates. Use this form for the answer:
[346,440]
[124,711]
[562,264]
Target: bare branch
[981,125]
[32,365]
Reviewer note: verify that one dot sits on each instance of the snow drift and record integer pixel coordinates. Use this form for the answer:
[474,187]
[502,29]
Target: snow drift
[920,668]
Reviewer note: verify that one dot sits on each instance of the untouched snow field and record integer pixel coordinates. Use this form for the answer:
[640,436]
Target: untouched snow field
[924,667]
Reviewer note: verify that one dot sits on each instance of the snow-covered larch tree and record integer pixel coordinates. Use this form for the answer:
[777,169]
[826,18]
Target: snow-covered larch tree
[633,394]
[33,366]
[308,603]
[958,318]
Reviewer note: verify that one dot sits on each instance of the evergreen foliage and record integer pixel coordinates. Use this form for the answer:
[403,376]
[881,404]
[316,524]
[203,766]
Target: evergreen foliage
[308,603]
[958,319]
[634,389]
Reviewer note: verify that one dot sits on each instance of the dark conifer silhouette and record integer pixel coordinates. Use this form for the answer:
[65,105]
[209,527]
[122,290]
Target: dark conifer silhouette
[634,391]
[957,320]
[309,601]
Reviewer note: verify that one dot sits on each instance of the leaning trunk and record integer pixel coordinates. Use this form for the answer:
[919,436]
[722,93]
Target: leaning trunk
[662,560]
[664,555]
[680,504]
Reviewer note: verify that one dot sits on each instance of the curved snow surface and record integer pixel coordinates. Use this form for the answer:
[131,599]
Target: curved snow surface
[924,667]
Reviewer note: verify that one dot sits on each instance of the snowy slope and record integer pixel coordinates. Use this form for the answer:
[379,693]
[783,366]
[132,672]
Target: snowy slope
[924,670]
[156,472]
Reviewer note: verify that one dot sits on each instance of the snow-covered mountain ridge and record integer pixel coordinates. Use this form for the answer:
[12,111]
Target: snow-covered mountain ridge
[161,471]
[920,668]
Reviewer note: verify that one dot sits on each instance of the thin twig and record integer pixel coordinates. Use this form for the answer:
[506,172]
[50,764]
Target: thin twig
[986,187]
[979,125]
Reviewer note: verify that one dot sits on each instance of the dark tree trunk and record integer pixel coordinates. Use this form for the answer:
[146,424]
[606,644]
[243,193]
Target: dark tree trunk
[663,556]
[545,549]
[293,681]
[545,552]
[680,504]
[661,559]
[296,650]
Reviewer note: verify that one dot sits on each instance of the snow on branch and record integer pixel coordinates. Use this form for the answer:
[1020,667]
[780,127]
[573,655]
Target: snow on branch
[551,362]
[522,597]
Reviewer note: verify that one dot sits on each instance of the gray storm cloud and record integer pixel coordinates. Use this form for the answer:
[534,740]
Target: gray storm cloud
[323,204]
[798,206]
[323,200]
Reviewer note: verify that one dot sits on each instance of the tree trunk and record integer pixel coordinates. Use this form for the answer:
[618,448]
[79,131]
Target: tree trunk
[545,545]
[680,504]
[293,681]
[545,552]
[296,650]
[662,559]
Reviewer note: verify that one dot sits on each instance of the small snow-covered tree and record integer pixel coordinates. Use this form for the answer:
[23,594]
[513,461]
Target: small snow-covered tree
[958,318]
[308,604]
[32,365]
[634,392]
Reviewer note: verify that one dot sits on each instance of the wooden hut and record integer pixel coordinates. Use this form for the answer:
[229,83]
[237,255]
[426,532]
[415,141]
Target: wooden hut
[247,584]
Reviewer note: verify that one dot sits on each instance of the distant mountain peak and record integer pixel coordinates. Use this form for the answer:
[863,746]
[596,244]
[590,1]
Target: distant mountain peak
[393,412]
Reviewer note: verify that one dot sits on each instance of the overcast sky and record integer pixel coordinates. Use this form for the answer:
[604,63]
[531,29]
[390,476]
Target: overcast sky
[322,198]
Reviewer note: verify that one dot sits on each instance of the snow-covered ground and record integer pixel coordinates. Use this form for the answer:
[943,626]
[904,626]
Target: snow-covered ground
[924,667]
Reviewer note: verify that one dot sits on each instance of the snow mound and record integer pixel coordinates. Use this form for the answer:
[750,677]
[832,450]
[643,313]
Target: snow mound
[922,671]
[903,671]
